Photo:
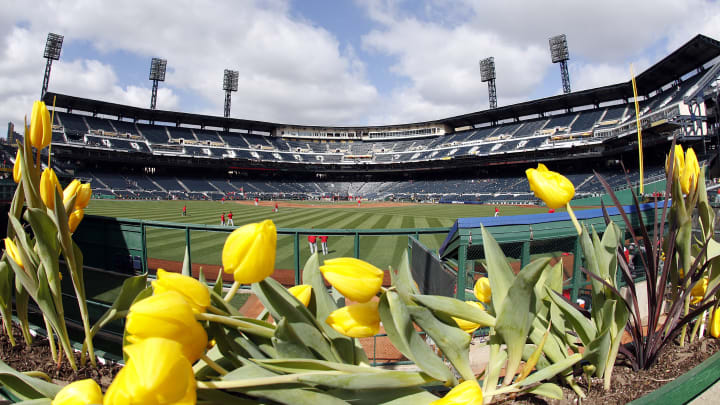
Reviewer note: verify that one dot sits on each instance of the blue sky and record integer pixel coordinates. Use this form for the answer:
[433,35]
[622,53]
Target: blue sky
[330,62]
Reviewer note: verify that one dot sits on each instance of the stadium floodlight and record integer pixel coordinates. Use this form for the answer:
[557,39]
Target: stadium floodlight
[487,74]
[560,54]
[157,74]
[53,45]
[230,84]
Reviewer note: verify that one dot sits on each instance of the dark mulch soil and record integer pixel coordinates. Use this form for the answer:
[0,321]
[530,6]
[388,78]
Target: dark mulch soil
[628,385]
[37,357]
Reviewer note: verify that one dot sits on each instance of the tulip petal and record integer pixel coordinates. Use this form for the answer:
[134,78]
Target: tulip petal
[194,292]
[82,392]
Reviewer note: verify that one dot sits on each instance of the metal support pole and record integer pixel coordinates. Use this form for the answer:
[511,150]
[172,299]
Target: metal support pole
[492,94]
[461,272]
[357,245]
[189,248]
[577,281]
[565,76]
[525,255]
[46,78]
[143,235]
[153,97]
[227,103]
[296,254]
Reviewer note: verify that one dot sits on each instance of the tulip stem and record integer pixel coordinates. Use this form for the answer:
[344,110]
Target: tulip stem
[216,310]
[38,374]
[575,222]
[232,291]
[213,365]
[51,340]
[244,326]
[256,382]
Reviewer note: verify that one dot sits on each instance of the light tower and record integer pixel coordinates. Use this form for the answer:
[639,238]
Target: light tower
[230,84]
[487,74]
[53,45]
[560,54]
[157,74]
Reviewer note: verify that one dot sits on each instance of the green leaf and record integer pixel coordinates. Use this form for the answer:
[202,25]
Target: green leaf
[584,328]
[500,274]
[16,207]
[402,278]
[287,343]
[548,390]
[281,304]
[369,381]
[551,371]
[397,396]
[534,357]
[553,348]
[218,287]
[495,365]
[131,288]
[295,396]
[396,320]
[293,366]
[517,312]
[449,306]
[47,246]
[453,341]
[25,387]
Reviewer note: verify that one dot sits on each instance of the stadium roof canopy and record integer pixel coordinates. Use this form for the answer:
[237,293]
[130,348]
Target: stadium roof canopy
[691,56]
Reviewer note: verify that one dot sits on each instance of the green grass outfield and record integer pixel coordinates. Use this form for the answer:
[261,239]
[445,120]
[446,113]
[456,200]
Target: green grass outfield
[382,251]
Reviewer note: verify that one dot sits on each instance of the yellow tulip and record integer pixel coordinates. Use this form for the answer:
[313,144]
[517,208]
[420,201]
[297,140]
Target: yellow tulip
[249,252]
[84,194]
[715,324]
[82,392]
[169,316]
[691,172]
[70,190]
[679,165]
[17,171]
[551,187]
[40,126]
[468,326]
[48,184]
[194,292]
[698,290]
[357,320]
[12,251]
[466,393]
[156,373]
[302,292]
[482,290]
[355,279]
[74,219]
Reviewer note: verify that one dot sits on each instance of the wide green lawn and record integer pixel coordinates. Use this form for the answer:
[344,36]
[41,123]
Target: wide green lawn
[382,251]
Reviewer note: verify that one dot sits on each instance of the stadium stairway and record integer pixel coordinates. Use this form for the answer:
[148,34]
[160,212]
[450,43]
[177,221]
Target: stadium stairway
[186,188]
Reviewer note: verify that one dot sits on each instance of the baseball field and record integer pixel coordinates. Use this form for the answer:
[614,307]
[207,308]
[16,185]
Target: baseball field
[169,244]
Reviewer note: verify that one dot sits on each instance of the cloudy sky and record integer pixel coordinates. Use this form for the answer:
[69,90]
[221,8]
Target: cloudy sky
[334,62]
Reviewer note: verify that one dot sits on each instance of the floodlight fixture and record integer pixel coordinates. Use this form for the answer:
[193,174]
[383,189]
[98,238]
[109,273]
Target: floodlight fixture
[487,74]
[157,74]
[53,45]
[560,54]
[230,80]
[230,84]
[157,69]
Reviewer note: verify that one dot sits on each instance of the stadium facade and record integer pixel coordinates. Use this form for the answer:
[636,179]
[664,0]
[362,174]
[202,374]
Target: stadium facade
[132,152]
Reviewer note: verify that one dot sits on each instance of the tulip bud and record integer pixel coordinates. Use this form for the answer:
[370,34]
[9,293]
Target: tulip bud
[70,190]
[698,291]
[482,290]
[156,373]
[48,184]
[249,252]
[468,326]
[355,279]
[194,292]
[690,173]
[12,251]
[551,187]
[74,219]
[466,393]
[679,165]
[17,171]
[357,320]
[302,292]
[82,392]
[40,126]
[167,315]
[84,194]
[715,324]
